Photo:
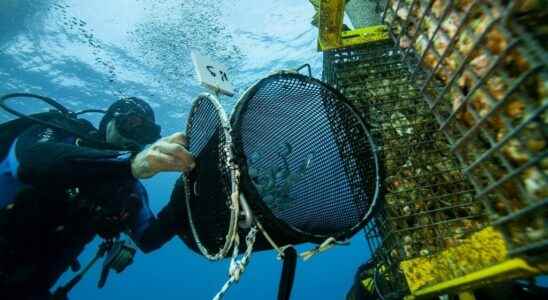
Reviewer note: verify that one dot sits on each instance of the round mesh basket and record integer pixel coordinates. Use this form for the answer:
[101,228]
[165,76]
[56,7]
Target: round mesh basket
[309,166]
[210,188]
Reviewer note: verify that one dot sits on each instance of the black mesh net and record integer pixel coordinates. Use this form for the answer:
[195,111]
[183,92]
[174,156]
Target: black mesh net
[309,166]
[208,186]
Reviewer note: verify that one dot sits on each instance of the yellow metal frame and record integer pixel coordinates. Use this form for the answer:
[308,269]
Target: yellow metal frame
[504,271]
[331,35]
[428,276]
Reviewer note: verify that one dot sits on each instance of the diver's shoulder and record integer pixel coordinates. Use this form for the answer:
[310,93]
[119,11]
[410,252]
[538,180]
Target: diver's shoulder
[85,122]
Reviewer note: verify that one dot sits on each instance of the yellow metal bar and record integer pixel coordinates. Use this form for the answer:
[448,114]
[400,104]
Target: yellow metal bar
[331,20]
[482,249]
[504,271]
[364,35]
[479,259]
[331,14]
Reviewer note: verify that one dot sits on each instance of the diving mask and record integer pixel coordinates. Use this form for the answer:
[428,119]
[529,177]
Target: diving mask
[135,126]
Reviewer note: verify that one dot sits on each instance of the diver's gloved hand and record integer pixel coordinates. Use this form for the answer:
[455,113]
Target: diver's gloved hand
[167,154]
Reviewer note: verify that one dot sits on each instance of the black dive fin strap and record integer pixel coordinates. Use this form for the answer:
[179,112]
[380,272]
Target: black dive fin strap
[288,273]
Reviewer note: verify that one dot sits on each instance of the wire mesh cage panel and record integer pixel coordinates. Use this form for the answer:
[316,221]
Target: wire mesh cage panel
[309,167]
[457,101]
[428,204]
[211,212]
[481,67]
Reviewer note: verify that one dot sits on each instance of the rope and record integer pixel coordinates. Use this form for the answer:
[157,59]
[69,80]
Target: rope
[326,245]
[278,249]
[306,255]
[237,267]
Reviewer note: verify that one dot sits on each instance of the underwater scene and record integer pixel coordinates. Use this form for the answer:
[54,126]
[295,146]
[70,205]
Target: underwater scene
[88,54]
[289,149]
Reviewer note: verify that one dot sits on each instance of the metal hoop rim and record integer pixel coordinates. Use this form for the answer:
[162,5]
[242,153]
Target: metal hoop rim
[234,174]
[241,108]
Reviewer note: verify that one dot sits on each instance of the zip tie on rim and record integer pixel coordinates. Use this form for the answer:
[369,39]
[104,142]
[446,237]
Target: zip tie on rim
[237,267]
[326,245]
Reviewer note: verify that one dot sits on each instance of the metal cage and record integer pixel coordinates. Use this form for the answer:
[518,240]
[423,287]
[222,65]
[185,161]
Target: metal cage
[457,101]
[484,78]
[428,203]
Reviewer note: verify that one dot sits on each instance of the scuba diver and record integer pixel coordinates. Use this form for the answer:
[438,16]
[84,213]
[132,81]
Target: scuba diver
[63,182]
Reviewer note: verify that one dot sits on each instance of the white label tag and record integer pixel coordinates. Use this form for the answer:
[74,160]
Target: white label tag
[211,74]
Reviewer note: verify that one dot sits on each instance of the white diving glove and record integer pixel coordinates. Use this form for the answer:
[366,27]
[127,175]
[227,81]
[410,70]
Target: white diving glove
[167,154]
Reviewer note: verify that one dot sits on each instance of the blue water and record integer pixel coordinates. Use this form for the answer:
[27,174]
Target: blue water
[89,53]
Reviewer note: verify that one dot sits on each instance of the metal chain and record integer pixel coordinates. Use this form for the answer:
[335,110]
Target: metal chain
[237,267]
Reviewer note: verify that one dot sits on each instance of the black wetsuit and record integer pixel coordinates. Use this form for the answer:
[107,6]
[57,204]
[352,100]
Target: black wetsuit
[50,188]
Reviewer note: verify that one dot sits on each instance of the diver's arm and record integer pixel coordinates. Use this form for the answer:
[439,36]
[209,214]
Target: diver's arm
[158,232]
[47,156]
[171,220]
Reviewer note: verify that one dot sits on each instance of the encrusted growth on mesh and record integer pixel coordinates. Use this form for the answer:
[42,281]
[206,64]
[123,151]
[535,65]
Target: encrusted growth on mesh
[485,79]
[462,88]
[428,203]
